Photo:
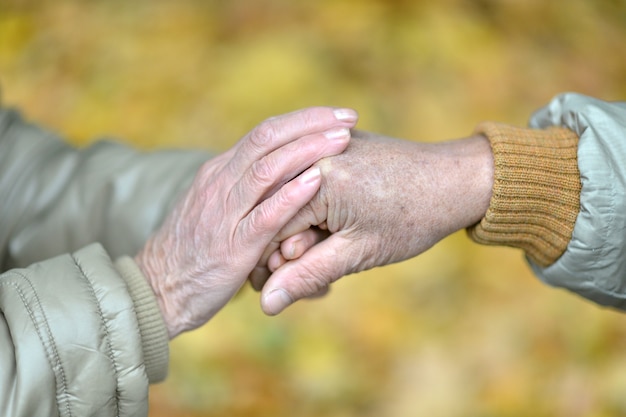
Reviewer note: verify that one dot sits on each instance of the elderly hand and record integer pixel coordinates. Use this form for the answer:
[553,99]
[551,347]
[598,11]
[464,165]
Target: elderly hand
[237,203]
[381,201]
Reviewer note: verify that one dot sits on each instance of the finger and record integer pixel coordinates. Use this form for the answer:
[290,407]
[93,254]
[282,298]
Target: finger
[307,218]
[275,132]
[261,273]
[275,261]
[299,225]
[310,217]
[257,229]
[293,247]
[290,249]
[270,172]
[306,276]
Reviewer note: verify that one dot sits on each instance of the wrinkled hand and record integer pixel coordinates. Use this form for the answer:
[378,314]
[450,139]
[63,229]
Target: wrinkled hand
[381,201]
[237,203]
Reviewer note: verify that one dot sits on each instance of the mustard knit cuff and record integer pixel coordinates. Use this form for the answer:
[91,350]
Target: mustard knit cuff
[153,332]
[536,192]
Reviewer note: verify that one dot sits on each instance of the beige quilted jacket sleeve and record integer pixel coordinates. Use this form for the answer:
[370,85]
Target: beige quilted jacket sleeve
[80,331]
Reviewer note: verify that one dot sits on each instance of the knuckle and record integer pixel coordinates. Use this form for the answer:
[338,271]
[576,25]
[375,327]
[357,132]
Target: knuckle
[314,277]
[258,222]
[262,172]
[264,134]
[309,117]
[265,219]
[313,284]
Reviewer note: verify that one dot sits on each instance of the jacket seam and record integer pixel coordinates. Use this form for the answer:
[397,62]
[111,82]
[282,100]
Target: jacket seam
[107,333]
[56,359]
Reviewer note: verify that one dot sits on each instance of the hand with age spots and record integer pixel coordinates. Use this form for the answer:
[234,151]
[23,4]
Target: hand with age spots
[381,201]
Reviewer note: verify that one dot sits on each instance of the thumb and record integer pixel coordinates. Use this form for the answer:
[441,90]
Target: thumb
[308,275]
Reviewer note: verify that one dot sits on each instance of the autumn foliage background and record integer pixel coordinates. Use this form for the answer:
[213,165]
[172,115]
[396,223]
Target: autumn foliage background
[463,330]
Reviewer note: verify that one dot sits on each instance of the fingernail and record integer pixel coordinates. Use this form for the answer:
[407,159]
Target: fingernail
[346,115]
[340,133]
[276,301]
[310,176]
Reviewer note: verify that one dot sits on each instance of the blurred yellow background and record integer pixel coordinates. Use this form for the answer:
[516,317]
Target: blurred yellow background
[463,330]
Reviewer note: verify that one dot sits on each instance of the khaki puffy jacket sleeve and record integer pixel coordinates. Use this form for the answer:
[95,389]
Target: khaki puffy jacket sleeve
[594,262]
[80,330]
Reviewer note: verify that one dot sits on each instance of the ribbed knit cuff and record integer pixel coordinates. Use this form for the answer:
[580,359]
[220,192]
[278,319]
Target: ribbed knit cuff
[154,336]
[536,192]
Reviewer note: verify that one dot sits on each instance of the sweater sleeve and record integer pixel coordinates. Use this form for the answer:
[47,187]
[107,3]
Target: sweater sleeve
[560,194]
[535,198]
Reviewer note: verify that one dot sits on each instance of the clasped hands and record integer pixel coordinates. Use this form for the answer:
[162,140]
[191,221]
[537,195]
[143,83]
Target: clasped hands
[297,203]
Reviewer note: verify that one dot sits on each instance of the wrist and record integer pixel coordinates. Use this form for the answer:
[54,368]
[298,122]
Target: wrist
[470,169]
[478,178]
[154,275]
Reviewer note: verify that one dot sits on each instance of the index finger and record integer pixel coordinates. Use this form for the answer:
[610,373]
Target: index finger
[277,131]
